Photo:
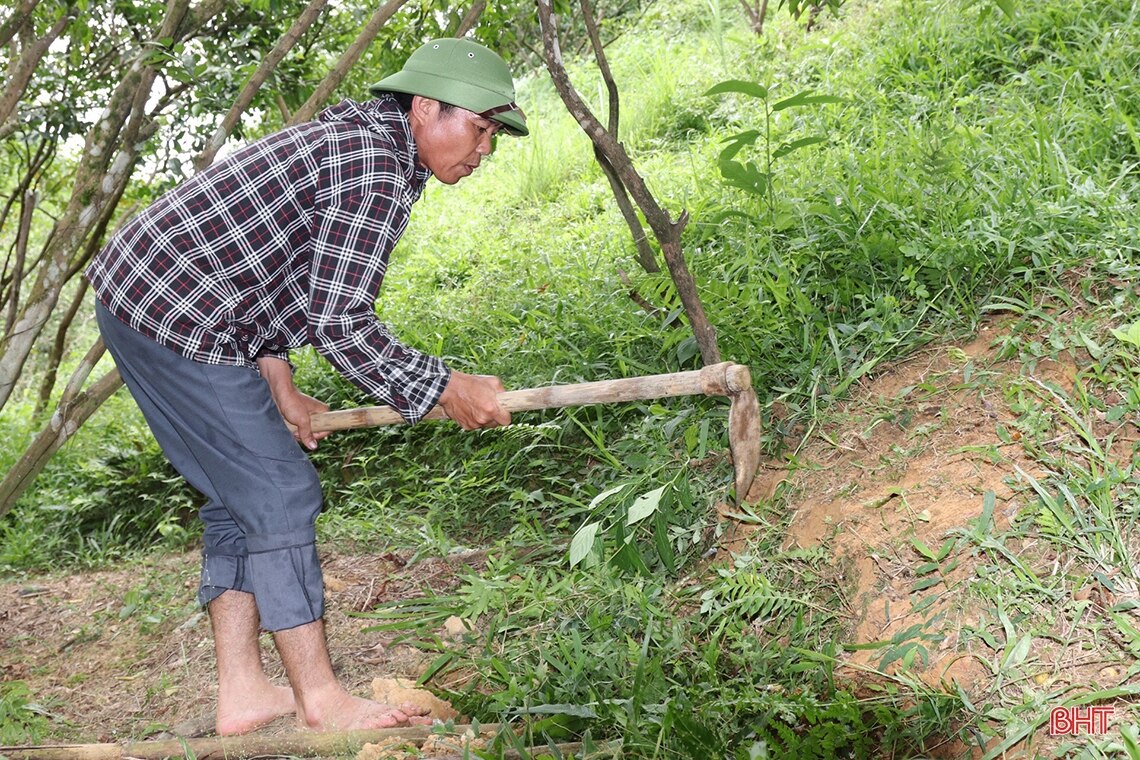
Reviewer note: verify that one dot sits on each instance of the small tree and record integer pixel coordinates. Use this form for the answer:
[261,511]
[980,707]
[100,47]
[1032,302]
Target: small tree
[624,179]
[757,11]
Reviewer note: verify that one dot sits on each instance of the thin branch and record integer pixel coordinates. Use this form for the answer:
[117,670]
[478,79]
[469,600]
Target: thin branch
[640,300]
[603,64]
[251,88]
[667,232]
[283,107]
[338,72]
[645,255]
[472,17]
[95,239]
[22,70]
[99,172]
[16,20]
[68,417]
[27,208]
[58,346]
[756,15]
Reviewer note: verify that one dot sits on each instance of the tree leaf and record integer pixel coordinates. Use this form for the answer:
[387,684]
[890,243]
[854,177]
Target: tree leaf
[741,86]
[1008,7]
[805,98]
[745,177]
[803,142]
[644,505]
[583,542]
[736,142]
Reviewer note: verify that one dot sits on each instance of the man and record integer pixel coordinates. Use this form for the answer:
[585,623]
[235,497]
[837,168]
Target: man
[282,244]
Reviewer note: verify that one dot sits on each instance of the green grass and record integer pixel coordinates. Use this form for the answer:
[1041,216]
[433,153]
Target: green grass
[1069,556]
[22,721]
[977,164]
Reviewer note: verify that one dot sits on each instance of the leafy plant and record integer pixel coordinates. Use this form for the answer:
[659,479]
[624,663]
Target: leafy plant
[746,175]
[22,721]
[619,516]
[742,595]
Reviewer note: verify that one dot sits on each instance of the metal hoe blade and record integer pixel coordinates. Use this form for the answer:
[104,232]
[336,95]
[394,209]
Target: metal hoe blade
[743,429]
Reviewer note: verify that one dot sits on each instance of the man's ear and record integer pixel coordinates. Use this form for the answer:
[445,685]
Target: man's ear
[424,110]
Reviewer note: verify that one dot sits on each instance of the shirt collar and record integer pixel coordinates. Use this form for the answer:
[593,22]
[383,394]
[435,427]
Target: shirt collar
[384,116]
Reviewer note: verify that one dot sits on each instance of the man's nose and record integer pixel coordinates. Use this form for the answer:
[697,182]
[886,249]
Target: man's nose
[486,145]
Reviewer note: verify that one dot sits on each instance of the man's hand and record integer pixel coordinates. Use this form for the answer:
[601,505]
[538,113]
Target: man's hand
[472,401]
[295,407]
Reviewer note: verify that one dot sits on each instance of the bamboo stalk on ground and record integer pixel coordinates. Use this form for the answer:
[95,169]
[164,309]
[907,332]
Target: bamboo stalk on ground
[298,744]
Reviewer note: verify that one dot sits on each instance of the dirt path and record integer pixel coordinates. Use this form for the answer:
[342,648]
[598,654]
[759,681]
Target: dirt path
[127,655]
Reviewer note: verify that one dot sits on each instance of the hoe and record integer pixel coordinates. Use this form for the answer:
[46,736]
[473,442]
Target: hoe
[724,379]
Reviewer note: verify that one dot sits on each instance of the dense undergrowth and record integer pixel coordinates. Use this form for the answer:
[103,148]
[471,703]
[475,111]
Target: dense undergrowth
[972,161]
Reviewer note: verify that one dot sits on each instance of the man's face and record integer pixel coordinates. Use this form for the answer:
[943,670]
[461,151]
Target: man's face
[451,144]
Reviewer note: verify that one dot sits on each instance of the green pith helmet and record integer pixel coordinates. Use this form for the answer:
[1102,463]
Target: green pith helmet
[464,74]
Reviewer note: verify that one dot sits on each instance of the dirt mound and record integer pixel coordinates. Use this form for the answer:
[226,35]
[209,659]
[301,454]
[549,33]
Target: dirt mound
[902,484]
[890,478]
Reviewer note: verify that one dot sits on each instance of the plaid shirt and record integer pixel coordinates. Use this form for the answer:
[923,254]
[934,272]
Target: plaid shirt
[282,244]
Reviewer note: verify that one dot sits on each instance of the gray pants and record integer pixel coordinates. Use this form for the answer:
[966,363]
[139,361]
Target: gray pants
[220,429]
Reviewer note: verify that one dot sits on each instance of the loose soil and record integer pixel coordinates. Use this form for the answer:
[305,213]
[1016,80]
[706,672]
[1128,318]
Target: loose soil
[907,461]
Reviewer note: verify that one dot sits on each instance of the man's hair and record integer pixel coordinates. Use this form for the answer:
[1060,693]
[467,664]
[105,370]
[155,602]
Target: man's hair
[405,101]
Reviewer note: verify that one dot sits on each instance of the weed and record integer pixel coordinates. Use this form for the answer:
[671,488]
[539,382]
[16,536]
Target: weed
[22,721]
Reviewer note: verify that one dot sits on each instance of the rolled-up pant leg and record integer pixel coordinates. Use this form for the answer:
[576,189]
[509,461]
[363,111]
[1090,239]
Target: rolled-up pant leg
[220,429]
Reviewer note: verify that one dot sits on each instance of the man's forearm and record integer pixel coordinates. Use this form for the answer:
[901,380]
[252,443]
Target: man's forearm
[276,372]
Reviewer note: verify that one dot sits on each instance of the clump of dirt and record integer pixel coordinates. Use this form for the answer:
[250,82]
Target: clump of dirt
[403,691]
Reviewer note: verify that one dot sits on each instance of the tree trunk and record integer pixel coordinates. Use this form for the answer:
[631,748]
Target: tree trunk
[27,208]
[75,406]
[21,70]
[58,347]
[335,76]
[667,232]
[645,255]
[756,15]
[472,17]
[98,177]
[16,20]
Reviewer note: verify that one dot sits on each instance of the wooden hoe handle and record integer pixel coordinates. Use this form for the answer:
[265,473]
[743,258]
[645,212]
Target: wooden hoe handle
[724,379]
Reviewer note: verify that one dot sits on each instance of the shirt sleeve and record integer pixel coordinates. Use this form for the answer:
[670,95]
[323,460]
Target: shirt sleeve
[351,242]
[274,353]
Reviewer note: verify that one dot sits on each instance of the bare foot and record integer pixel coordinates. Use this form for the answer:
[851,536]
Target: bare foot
[244,711]
[345,712]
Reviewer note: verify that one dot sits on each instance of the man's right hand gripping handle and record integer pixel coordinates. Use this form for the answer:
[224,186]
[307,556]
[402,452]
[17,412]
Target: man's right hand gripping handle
[472,401]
